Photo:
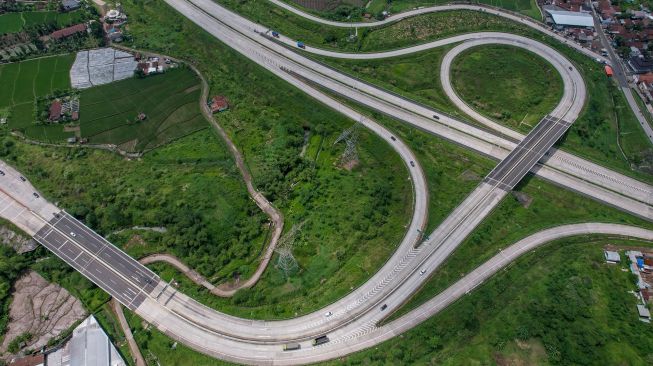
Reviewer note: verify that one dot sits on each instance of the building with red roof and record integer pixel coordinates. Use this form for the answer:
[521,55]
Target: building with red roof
[55,111]
[219,103]
[68,31]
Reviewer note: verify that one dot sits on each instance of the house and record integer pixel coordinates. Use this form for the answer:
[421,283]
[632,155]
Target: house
[219,103]
[640,65]
[68,31]
[55,111]
[644,313]
[612,257]
[33,360]
[70,5]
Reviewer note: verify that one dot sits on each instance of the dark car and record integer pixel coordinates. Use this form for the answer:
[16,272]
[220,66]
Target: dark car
[23,178]
[393,138]
[436,116]
[412,163]
[2,173]
[36,195]
[384,306]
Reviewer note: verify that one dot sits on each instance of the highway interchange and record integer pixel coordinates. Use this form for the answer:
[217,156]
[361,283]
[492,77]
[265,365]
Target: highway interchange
[353,323]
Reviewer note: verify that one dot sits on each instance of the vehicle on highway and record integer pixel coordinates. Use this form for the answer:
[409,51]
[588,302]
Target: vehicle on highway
[320,340]
[291,346]
[275,34]
[23,178]
[36,195]
[2,173]
[570,68]
[412,163]
[328,314]
[384,306]
[73,234]
[393,138]
[301,44]
[436,116]
[421,273]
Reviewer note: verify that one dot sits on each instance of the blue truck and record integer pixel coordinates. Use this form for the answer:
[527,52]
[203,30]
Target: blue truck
[301,44]
[275,34]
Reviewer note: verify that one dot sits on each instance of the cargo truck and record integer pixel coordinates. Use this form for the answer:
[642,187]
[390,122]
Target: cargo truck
[320,340]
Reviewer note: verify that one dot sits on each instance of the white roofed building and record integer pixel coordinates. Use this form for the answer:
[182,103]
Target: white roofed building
[564,18]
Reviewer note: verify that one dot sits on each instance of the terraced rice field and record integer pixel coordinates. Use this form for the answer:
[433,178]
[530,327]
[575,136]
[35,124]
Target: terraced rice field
[15,22]
[23,82]
[108,113]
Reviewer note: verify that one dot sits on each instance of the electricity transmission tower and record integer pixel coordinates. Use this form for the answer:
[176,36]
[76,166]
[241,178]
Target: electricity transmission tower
[286,260]
[350,137]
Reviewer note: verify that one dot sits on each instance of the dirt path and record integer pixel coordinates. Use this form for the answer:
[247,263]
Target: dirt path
[133,346]
[276,217]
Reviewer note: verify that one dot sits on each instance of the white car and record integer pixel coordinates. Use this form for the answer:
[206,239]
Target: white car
[73,234]
[328,314]
[421,273]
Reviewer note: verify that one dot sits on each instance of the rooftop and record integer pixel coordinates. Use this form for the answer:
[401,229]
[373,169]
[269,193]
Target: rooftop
[572,18]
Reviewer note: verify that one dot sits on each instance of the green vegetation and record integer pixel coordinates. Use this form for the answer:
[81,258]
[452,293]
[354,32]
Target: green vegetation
[526,7]
[16,22]
[394,35]
[109,113]
[508,84]
[272,124]
[15,343]
[560,304]
[533,206]
[11,267]
[429,27]
[190,186]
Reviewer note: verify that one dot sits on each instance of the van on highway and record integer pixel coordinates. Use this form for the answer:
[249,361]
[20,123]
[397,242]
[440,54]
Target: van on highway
[291,346]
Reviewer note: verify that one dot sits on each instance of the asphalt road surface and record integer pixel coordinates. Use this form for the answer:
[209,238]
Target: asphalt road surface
[530,150]
[620,75]
[352,324]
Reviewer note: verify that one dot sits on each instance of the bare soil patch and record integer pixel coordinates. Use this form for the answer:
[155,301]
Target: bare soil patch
[42,309]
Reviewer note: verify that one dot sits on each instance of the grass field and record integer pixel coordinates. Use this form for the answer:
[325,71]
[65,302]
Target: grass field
[15,22]
[508,84]
[108,113]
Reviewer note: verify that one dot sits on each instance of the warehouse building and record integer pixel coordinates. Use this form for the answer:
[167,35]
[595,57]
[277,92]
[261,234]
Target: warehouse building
[563,19]
[89,346]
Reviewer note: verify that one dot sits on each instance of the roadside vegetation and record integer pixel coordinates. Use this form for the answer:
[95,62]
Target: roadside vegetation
[606,132]
[191,187]
[351,11]
[408,32]
[560,304]
[508,84]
